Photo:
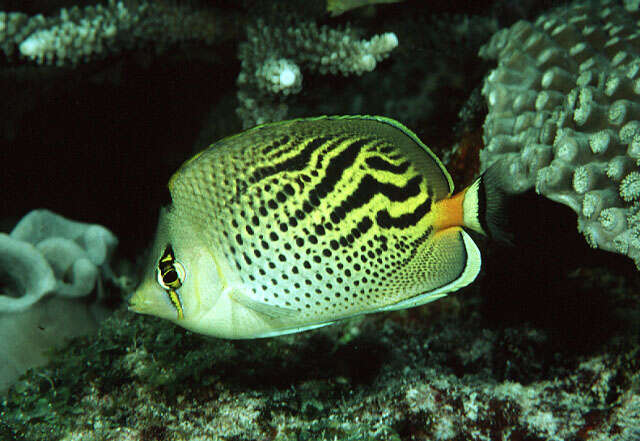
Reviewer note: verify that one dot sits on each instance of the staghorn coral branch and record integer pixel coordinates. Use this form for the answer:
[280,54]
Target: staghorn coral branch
[79,35]
[274,56]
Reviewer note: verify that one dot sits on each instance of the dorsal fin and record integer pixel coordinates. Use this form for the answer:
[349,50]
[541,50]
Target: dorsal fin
[401,137]
[363,126]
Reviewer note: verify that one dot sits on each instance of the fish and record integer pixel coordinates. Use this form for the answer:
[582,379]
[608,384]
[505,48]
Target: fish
[298,224]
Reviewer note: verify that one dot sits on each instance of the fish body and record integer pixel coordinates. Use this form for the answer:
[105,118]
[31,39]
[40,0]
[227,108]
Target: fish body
[297,224]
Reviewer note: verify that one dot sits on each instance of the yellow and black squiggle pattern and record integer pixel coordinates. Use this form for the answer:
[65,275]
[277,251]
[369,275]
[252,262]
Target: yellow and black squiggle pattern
[328,216]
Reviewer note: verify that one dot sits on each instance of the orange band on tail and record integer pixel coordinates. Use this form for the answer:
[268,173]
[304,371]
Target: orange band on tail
[448,212]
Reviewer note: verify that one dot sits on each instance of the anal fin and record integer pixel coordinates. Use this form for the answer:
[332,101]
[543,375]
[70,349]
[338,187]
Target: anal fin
[458,266]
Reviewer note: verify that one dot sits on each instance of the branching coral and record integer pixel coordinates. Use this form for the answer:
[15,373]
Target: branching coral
[272,58]
[82,34]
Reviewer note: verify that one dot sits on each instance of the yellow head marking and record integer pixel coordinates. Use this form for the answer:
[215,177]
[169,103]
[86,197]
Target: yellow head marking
[171,275]
[173,295]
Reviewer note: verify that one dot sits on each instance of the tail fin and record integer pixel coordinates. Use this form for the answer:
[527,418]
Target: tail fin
[484,205]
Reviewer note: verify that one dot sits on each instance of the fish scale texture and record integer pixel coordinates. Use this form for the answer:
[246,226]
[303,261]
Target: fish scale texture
[316,215]
[564,114]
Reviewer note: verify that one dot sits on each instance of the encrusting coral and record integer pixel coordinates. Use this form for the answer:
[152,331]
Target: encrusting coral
[564,115]
[46,253]
[25,271]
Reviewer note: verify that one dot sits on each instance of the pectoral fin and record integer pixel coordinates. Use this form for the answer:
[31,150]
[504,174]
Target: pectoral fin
[279,314]
[272,311]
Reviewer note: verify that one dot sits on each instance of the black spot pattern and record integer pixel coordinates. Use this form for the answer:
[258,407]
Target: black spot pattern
[306,232]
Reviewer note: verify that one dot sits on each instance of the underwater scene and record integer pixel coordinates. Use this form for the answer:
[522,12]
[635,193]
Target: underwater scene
[321,220]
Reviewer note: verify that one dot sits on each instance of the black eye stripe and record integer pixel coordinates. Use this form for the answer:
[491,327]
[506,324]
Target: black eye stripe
[167,269]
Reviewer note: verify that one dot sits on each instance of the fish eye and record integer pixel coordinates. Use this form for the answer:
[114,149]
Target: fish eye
[172,277]
[170,273]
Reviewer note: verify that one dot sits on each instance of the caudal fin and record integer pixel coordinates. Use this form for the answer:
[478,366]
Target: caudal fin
[485,205]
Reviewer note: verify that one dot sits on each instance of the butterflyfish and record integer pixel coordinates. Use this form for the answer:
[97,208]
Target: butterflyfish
[298,224]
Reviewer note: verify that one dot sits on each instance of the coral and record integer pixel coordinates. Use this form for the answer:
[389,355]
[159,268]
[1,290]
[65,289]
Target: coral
[272,58]
[25,272]
[564,115]
[46,253]
[82,34]
[27,337]
[14,28]
[631,5]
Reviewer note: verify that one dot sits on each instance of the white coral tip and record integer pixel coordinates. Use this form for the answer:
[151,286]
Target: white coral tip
[391,40]
[287,77]
[32,46]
